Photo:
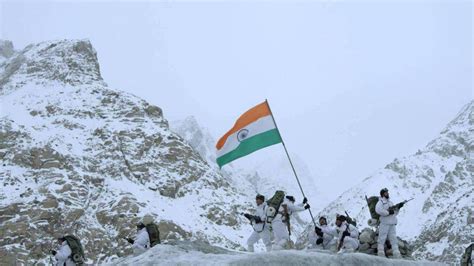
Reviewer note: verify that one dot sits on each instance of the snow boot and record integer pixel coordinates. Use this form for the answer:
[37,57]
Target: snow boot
[380,251]
[250,248]
[269,248]
[396,254]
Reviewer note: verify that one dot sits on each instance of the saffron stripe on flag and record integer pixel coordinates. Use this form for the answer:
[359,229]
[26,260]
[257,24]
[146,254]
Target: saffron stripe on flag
[261,125]
[245,119]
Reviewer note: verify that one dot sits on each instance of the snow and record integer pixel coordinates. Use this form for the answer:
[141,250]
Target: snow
[195,253]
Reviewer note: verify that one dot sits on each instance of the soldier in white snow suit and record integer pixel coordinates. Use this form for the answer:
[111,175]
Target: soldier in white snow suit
[63,255]
[142,241]
[261,230]
[323,237]
[348,234]
[388,223]
[280,225]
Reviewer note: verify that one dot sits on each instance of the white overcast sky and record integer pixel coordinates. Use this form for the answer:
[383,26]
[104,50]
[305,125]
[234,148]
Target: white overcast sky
[352,84]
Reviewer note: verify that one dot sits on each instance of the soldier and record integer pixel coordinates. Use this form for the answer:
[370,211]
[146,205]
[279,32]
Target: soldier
[388,222]
[281,223]
[148,235]
[260,228]
[323,237]
[70,252]
[348,235]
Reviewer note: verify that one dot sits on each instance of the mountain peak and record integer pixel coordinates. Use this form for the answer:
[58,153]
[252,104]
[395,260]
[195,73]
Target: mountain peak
[456,139]
[6,48]
[71,62]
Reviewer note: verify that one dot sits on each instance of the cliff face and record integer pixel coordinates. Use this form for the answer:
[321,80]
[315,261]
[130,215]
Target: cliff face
[79,157]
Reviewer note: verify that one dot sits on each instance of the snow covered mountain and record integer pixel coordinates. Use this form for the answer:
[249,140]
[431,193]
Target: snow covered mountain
[80,157]
[197,136]
[439,221]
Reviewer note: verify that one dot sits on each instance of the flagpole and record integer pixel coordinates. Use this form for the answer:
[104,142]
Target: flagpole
[289,159]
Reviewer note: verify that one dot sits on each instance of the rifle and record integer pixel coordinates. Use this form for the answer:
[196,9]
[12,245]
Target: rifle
[287,218]
[341,241]
[349,219]
[399,205]
[252,218]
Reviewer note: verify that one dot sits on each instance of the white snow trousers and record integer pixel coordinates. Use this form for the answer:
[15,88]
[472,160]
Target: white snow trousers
[281,234]
[388,231]
[255,236]
[350,244]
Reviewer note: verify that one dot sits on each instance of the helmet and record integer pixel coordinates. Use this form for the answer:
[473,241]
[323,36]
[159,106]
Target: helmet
[323,218]
[382,191]
[260,197]
[147,219]
[341,218]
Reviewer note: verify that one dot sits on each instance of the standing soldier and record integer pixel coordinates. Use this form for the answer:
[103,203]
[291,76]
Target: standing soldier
[281,224]
[260,228]
[388,222]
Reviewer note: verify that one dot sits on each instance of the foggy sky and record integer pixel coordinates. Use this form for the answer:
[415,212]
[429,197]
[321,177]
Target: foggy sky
[352,84]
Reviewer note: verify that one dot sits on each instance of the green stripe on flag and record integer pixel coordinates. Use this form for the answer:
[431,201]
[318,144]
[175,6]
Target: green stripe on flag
[250,145]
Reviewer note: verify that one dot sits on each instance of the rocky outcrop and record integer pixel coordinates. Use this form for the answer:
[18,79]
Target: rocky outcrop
[81,158]
[68,62]
[368,244]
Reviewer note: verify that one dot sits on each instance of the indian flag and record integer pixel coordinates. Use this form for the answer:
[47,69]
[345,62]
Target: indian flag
[254,130]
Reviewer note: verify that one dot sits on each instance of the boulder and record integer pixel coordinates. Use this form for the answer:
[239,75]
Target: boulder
[367,236]
[368,244]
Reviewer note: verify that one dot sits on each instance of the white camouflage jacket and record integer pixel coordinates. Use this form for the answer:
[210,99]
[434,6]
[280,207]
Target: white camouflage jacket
[382,209]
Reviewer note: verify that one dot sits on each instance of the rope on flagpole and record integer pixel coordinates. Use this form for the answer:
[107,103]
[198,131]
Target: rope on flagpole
[291,163]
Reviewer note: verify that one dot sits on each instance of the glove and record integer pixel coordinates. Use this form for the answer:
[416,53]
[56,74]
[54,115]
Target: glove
[131,241]
[54,252]
[400,205]
[248,216]
[345,233]
[305,200]
[307,206]
[319,232]
[391,211]
[258,220]
[319,241]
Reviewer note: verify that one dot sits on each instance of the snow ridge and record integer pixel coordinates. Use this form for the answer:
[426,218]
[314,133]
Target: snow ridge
[439,221]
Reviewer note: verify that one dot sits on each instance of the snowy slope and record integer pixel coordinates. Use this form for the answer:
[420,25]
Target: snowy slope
[80,157]
[195,253]
[440,178]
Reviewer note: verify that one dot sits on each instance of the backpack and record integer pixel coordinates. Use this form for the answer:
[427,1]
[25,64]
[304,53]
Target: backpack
[153,234]
[372,202]
[77,252]
[274,204]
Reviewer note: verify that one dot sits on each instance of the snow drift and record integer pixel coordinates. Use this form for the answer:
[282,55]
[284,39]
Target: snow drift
[198,253]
